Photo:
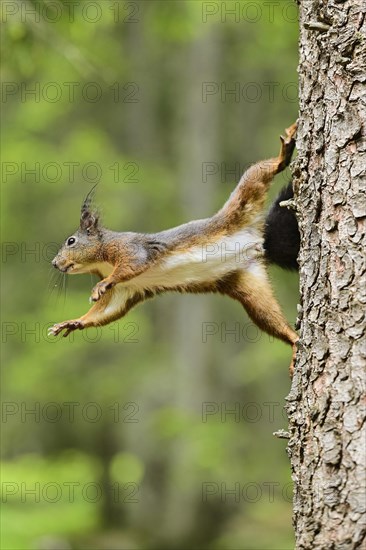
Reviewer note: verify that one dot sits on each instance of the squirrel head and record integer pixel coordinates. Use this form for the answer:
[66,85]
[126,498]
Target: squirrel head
[84,247]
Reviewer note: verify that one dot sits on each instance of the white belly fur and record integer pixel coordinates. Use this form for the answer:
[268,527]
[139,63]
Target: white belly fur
[205,263]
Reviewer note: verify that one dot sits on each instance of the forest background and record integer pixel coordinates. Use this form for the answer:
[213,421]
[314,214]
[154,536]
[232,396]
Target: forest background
[155,431]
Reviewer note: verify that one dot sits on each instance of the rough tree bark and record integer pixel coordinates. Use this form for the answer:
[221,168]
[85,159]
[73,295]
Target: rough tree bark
[326,405]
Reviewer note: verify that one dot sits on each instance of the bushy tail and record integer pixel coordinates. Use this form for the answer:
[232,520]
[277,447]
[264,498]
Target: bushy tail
[281,234]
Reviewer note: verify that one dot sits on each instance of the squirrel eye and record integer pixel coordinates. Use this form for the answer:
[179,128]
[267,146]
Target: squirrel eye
[70,241]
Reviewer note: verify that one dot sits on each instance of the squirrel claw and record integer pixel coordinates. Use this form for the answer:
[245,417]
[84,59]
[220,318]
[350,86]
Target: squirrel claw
[99,289]
[287,146]
[291,132]
[295,347]
[67,326]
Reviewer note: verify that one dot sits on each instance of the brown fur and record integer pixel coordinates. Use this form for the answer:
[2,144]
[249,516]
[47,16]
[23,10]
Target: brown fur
[131,255]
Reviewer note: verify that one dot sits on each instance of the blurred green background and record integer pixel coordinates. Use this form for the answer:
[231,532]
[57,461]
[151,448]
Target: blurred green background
[156,431]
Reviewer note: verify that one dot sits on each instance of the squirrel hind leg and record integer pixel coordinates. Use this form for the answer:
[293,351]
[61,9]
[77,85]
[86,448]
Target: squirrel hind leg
[255,294]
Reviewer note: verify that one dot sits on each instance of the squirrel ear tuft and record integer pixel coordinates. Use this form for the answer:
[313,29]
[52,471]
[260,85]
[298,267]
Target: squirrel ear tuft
[89,218]
[89,221]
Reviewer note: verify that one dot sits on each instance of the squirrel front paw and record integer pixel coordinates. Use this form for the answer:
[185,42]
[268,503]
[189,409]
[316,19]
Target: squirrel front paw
[99,290]
[67,326]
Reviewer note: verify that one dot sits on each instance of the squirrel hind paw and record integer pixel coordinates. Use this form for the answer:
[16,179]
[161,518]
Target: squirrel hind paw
[287,148]
[291,132]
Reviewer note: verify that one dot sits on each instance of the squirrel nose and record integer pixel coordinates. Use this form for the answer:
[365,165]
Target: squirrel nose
[54,263]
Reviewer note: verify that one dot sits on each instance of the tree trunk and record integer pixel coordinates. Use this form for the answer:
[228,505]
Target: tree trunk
[326,405]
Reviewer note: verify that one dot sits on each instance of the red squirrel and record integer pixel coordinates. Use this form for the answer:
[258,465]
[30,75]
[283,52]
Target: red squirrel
[226,253]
